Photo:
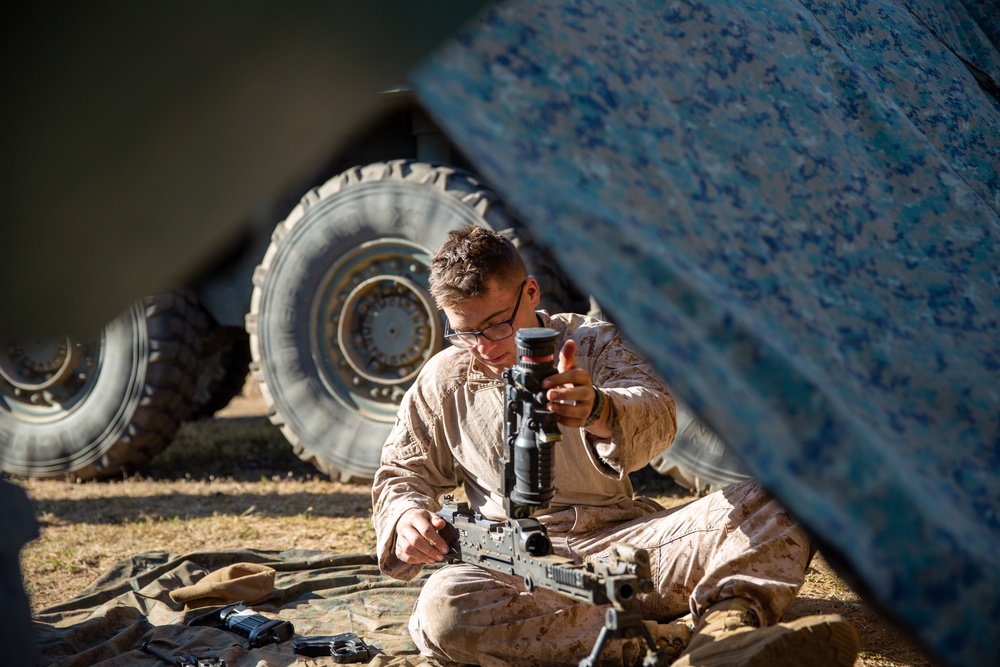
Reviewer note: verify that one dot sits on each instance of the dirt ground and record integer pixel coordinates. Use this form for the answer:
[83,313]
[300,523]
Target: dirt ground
[233,481]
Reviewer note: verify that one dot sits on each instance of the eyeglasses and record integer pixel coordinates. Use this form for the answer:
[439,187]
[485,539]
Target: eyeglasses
[494,332]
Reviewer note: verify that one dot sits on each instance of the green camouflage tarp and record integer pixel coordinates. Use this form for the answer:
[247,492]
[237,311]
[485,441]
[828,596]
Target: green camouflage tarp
[318,592]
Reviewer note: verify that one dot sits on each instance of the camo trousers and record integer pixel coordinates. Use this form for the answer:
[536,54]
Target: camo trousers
[737,542]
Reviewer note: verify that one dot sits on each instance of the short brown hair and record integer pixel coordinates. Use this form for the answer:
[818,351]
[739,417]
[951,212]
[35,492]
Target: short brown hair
[470,257]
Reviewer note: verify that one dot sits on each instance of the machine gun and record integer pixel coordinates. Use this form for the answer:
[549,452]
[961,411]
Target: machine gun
[520,546]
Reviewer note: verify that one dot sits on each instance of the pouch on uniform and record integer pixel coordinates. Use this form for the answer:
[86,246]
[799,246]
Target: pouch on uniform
[240,582]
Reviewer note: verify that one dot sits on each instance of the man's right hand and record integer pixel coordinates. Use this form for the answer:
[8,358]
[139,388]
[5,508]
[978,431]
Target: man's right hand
[418,541]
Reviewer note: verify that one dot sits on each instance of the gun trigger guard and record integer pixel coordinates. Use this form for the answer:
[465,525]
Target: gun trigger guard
[344,648]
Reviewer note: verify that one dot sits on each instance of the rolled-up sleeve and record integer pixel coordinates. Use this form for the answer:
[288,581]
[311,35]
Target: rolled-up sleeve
[644,417]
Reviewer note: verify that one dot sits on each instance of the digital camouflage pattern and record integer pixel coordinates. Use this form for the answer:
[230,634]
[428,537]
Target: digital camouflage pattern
[792,208]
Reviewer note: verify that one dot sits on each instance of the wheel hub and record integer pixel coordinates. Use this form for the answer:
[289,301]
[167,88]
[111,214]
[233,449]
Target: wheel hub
[44,372]
[377,324]
[386,326]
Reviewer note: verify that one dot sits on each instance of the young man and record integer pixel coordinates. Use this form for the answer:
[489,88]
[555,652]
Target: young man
[734,559]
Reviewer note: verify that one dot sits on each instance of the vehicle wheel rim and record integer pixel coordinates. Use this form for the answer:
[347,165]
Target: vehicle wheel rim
[45,377]
[375,324]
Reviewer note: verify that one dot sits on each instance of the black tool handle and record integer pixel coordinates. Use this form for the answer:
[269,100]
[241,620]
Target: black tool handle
[152,650]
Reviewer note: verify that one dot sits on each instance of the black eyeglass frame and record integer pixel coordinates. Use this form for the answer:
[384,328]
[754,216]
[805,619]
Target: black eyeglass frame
[455,336]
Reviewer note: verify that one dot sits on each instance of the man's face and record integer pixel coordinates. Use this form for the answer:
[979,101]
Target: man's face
[496,306]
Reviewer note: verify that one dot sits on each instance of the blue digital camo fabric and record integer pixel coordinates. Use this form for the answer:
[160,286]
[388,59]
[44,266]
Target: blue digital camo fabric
[793,208]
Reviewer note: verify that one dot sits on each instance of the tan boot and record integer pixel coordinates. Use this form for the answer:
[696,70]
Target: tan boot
[671,638]
[728,636]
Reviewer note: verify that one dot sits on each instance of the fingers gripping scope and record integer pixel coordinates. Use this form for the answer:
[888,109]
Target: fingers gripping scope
[531,431]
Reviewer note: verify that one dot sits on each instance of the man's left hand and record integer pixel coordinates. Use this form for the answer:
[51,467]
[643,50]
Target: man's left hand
[571,394]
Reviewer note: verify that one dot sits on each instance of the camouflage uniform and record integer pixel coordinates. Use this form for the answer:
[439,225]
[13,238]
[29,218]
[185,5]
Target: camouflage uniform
[736,542]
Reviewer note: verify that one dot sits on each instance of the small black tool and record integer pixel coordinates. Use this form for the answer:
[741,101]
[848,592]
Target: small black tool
[345,648]
[181,661]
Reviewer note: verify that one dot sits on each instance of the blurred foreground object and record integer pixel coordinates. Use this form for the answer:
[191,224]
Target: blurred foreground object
[140,139]
[793,210]
[18,526]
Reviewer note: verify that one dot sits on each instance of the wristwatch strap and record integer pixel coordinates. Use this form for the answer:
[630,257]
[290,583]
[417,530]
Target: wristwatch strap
[595,412]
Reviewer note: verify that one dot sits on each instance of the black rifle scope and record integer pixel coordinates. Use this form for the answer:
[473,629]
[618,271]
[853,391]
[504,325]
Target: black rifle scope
[538,429]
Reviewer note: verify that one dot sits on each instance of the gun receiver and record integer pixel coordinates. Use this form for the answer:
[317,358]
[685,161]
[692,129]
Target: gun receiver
[520,546]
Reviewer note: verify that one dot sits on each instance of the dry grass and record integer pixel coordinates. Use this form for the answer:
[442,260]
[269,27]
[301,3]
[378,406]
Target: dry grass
[234,482]
[222,484]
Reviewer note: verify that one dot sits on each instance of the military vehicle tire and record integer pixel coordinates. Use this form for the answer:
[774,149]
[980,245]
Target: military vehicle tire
[698,459]
[340,318]
[95,408]
[226,365]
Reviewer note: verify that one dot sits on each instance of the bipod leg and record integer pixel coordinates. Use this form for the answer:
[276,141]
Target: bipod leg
[602,639]
[621,624]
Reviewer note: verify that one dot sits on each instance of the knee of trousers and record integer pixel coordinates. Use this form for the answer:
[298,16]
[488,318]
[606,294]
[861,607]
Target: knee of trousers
[448,607]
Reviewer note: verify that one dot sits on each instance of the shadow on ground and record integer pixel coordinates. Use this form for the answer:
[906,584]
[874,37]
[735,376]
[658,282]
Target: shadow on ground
[238,448]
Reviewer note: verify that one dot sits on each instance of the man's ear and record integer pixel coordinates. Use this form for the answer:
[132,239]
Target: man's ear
[533,292]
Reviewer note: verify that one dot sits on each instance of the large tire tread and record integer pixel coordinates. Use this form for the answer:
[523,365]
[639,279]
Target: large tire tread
[226,364]
[176,326]
[171,329]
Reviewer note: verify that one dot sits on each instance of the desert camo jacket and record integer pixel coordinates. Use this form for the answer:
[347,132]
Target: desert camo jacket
[450,427]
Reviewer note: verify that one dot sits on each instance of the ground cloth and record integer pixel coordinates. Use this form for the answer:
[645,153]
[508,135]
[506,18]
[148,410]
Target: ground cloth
[319,592]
